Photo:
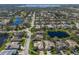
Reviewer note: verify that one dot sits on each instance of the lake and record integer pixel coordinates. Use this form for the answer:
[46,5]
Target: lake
[3,38]
[17,21]
[58,34]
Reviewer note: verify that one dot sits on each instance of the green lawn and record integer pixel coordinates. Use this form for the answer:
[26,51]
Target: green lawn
[4,45]
[23,41]
[33,30]
[53,51]
[32,50]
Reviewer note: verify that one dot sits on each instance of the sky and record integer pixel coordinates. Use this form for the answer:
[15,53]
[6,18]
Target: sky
[40,5]
[39,1]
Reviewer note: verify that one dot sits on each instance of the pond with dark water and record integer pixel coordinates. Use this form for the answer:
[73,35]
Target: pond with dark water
[3,38]
[58,34]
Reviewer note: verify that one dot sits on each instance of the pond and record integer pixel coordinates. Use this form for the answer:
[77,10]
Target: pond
[58,34]
[3,38]
[17,21]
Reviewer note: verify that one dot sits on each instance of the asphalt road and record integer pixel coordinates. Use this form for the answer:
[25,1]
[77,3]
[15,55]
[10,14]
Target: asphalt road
[28,39]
